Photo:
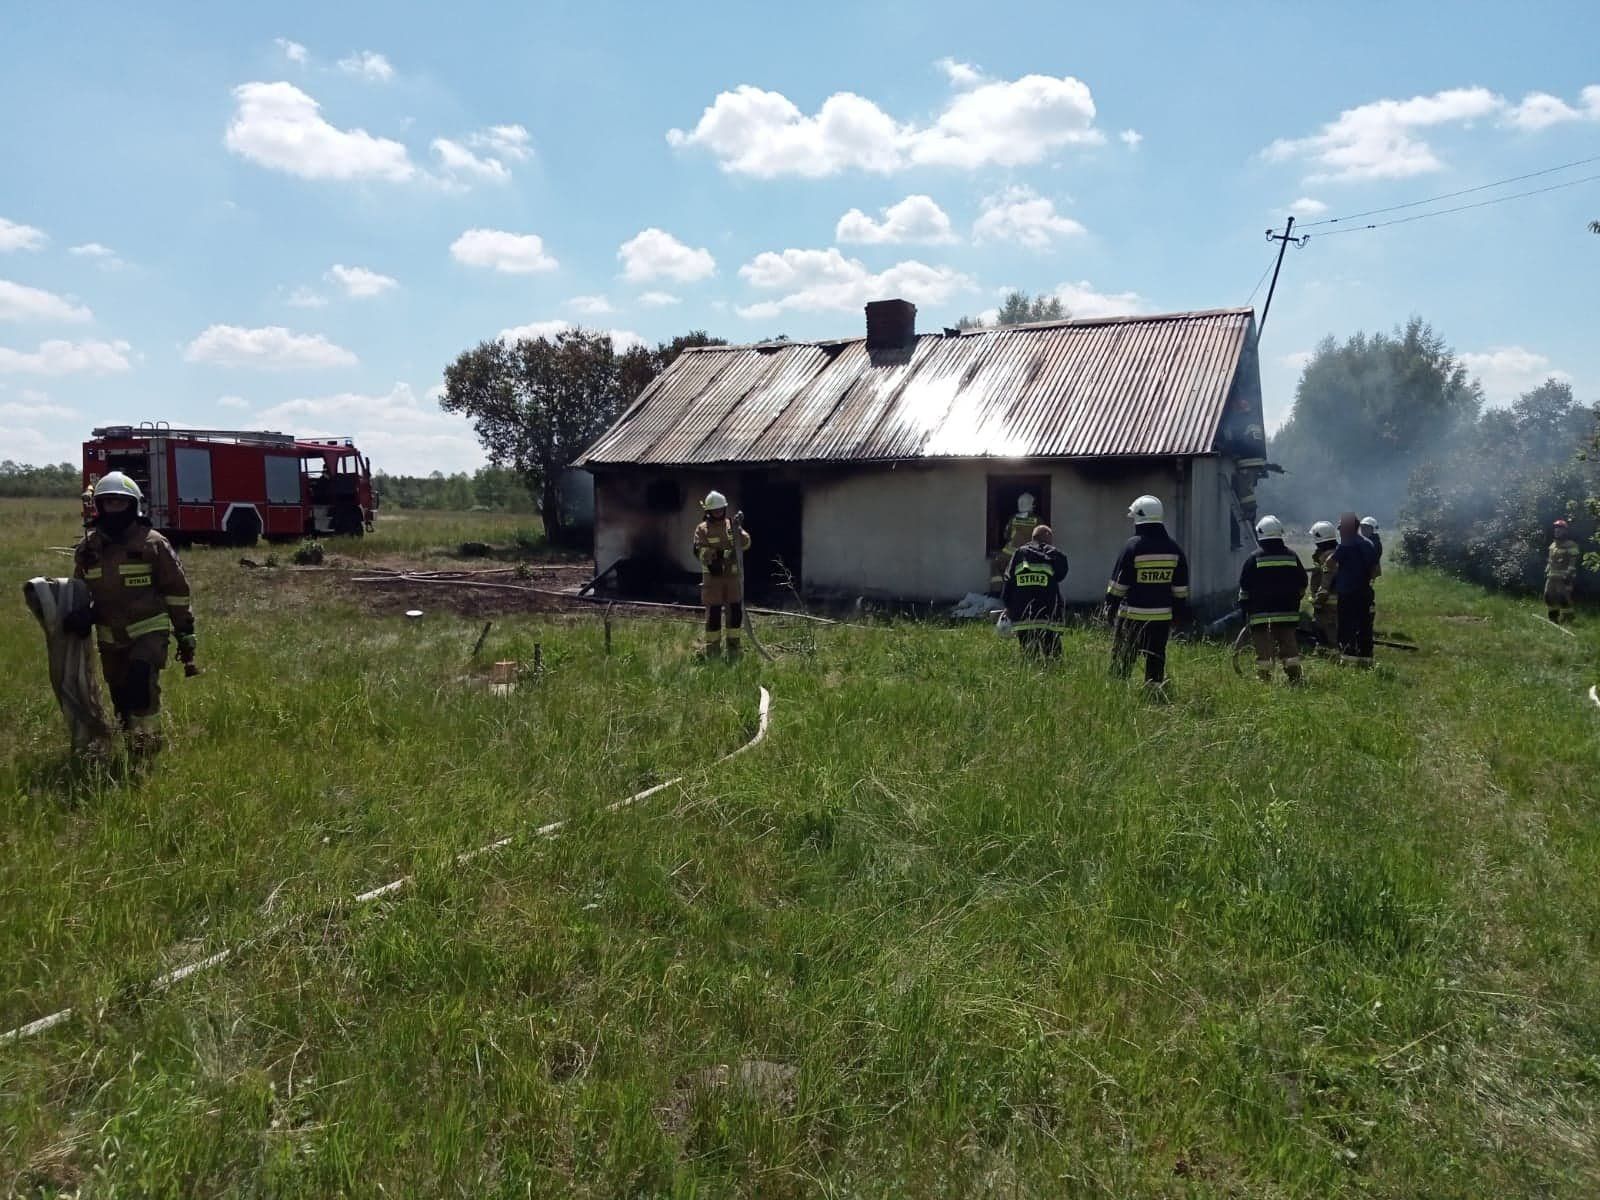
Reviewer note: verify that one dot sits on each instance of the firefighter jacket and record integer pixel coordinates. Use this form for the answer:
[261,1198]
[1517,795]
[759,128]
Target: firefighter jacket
[1151,577]
[713,546]
[1019,530]
[1032,591]
[136,583]
[1562,564]
[1271,585]
[1322,593]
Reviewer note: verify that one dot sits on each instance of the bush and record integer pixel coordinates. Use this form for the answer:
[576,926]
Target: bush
[309,554]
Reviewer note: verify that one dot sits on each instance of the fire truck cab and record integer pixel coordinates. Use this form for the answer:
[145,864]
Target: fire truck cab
[236,486]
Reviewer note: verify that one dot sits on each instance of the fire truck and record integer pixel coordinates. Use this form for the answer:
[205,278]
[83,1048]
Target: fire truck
[235,486]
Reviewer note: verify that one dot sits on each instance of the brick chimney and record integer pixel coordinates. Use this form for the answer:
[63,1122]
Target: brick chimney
[891,325]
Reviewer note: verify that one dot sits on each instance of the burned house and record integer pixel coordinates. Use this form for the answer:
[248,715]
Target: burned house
[890,465]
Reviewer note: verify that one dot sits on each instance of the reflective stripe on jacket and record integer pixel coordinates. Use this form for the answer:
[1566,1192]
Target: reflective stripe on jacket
[1150,576]
[1271,584]
[137,584]
[713,547]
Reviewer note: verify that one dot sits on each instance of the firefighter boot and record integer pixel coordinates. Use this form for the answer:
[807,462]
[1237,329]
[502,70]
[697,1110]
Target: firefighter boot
[144,736]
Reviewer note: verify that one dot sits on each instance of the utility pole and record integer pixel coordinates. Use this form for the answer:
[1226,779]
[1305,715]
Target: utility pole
[1283,239]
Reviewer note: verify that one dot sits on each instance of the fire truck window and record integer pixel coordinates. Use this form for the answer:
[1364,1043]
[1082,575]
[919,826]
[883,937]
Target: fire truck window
[283,479]
[194,474]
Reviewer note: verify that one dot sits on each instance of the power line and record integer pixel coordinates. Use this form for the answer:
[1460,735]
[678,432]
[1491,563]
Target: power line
[1372,212]
[1265,272]
[1554,187]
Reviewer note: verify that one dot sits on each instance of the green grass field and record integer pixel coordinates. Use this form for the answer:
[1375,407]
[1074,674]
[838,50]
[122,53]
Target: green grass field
[956,928]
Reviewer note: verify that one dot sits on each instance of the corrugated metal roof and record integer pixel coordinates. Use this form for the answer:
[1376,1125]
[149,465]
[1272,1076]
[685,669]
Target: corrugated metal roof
[1153,385]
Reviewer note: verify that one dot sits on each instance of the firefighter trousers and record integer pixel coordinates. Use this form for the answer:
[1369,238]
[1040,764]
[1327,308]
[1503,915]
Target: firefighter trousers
[1039,643]
[133,677]
[1277,640]
[1141,638]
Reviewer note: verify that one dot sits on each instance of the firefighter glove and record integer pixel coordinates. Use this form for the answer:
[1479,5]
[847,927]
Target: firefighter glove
[186,646]
[79,621]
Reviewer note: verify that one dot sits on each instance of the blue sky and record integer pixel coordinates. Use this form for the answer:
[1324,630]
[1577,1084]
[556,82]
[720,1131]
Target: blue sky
[294,216]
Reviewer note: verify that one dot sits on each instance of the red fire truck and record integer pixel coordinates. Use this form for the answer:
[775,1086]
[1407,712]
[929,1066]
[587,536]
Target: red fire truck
[235,486]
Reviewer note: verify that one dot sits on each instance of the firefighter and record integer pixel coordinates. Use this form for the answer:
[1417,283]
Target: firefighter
[720,584]
[1243,436]
[1271,585]
[1149,586]
[1018,530]
[139,600]
[1324,600]
[1355,565]
[1561,573]
[1032,594]
[1369,530]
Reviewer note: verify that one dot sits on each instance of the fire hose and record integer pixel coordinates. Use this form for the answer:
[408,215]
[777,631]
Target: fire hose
[167,979]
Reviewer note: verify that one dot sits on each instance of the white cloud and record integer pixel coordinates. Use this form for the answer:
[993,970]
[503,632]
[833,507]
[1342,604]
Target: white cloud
[457,160]
[506,141]
[595,305]
[1296,360]
[658,299]
[1020,214]
[358,282]
[293,51]
[304,297]
[508,253]
[277,125]
[368,65]
[15,236]
[271,348]
[825,280]
[1508,371]
[1308,207]
[35,406]
[914,219]
[1008,123]
[104,255]
[960,74]
[57,357]
[402,433]
[1083,302]
[1380,140]
[621,339]
[1130,138]
[30,446]
[18,302]
[232,402]
[655,254]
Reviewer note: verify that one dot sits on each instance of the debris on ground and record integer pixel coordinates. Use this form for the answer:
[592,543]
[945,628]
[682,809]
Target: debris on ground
[975,605]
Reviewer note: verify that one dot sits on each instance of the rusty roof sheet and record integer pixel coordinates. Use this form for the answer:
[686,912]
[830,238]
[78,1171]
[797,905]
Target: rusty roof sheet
[1153,385]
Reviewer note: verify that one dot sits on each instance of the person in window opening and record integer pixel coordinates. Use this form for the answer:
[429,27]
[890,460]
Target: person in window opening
[718,543]
[139,601]
[1032,594]
[1019,528]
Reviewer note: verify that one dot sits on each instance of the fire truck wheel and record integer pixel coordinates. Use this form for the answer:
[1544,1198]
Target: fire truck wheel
[243,528]
[347,521]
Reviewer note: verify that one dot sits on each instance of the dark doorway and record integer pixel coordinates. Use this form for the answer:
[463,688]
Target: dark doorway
[1004,491]
[772,513]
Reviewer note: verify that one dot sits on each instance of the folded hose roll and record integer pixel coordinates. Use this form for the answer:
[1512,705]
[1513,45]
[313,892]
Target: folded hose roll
[71,658]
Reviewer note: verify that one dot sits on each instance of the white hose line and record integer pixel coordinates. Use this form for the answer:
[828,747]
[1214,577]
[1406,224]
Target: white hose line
[1594,694]
[1546,621]
[179,974]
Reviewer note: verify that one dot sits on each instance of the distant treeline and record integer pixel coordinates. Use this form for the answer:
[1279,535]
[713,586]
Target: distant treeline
[62,480]
[493,488]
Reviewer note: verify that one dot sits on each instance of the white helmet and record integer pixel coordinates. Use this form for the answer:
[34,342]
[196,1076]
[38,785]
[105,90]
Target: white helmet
[1323,531]
[1268,527]
[1146,510]
[115,483]
[1025,502]
[1370,523]
[714,500]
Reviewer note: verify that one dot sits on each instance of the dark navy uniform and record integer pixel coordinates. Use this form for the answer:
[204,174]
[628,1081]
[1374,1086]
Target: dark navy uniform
[1271,586]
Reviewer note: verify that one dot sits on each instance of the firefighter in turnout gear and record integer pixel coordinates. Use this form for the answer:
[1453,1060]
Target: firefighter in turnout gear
[1324,600]
[1032,594]
[720,584]
[139,602]
[1271,585]
[1149,586]
[1019,529]
[1561,573]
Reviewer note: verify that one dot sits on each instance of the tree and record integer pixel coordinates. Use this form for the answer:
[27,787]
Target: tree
[1019,308]
[537,404]
[1366,412]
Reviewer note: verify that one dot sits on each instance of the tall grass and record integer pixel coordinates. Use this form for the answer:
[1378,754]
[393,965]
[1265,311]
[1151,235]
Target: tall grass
[963,926]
